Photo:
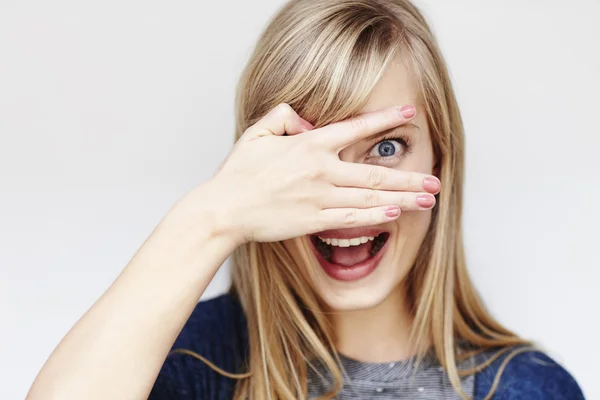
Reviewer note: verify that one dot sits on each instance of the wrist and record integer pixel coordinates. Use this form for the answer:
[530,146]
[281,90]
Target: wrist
[206,212]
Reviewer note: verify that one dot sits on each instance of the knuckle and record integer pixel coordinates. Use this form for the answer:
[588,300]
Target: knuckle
[315,173]
[410,182]
[375,177]
[371,198]
[402,201]
[350,217]
[284,109]
[359,123]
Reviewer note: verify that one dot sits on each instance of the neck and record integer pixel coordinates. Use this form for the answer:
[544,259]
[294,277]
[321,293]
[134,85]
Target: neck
[377,334]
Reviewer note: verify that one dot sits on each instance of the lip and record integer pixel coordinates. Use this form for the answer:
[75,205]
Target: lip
[357,271]
[350,233]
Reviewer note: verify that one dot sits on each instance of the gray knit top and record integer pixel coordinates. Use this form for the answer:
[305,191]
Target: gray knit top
[396,380]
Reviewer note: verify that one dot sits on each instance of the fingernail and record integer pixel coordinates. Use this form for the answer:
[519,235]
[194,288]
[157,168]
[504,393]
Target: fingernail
[408,111]
[425,201]
[392,211]
[431,184]
[306,124]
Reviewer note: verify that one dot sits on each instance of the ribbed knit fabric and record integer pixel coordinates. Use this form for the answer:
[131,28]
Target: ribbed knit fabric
[406,379]
[217,331]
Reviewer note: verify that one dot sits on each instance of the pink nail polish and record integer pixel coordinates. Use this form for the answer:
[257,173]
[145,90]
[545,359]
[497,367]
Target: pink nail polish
[392,211]
[306,124]
[432,185]
[408,111]
[425,201]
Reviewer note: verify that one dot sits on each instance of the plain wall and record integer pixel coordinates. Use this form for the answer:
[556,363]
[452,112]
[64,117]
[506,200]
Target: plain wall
[111,111]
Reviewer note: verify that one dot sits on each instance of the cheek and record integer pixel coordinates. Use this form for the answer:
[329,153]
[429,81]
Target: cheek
[421,161]
[420,158]
[411,229]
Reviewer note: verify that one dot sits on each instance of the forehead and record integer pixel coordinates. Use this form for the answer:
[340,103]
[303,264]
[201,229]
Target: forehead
[397,86]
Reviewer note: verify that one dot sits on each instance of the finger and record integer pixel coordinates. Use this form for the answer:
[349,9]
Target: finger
[280,120]
[339,218]
[368,198]
[368,176]
[341,134]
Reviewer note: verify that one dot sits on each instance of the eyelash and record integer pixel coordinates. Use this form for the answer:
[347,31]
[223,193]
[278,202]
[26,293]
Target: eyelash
[404,142]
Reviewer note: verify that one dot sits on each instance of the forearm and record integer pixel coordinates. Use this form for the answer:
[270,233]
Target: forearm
[117,348]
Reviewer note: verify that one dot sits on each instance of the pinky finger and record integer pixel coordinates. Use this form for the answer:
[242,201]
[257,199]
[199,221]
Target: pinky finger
[339,218]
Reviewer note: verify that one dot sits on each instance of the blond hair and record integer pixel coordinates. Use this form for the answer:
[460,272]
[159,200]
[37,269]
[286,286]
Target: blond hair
[323,58]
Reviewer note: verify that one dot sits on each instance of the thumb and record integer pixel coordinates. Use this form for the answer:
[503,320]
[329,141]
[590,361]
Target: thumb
[279,121]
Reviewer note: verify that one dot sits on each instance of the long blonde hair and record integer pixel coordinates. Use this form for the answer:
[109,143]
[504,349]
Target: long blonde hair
[324,58]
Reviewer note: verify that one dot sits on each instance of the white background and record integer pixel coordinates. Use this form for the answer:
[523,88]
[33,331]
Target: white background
[110,111]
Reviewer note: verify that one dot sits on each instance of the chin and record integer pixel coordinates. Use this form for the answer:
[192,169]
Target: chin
[353,299]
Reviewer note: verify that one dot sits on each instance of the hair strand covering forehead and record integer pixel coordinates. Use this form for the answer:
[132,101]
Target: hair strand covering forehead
[324,63]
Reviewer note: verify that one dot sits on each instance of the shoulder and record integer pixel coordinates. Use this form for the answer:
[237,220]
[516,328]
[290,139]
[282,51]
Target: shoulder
[530,374]
[216,331]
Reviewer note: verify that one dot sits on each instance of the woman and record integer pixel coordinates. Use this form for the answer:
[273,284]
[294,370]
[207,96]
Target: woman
[341,204]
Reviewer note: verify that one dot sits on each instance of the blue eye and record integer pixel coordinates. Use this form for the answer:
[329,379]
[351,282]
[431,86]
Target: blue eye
[386,148]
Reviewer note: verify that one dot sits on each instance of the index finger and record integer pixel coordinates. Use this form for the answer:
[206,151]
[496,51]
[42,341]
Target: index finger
[339,135]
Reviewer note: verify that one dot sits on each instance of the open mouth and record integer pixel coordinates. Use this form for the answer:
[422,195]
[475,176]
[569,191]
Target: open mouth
[349,252]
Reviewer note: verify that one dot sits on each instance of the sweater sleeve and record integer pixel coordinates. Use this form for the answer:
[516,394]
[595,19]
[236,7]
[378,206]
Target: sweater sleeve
[529,375]
[216,331]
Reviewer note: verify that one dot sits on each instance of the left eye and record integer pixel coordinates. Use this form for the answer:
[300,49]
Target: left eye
[386,148]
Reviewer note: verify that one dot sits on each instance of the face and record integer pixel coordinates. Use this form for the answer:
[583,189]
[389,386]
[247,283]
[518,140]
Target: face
[405,148]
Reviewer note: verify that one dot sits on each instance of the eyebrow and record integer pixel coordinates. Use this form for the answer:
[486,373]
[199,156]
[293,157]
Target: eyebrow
[408,126]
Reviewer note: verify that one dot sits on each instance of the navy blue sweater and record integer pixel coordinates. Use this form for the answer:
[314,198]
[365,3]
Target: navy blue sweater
[217,331]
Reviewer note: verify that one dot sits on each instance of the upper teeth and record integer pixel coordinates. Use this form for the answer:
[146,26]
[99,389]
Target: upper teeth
[347,242]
